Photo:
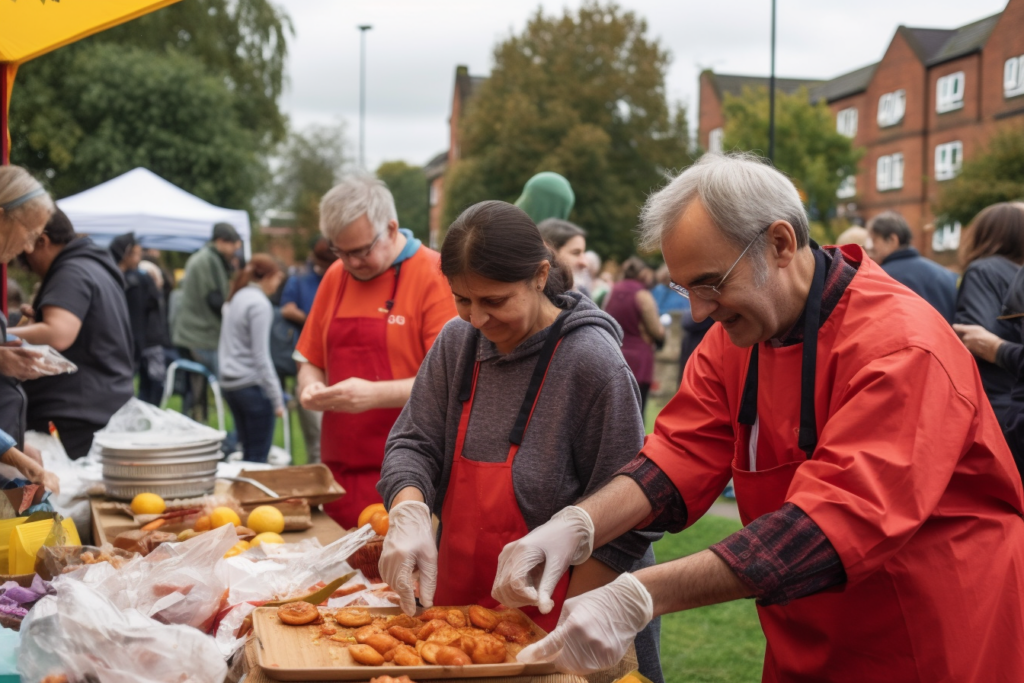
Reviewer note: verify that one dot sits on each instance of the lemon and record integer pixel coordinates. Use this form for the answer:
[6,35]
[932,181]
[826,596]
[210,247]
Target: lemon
[266,518]
[221,516]
[237,549]
[148,504]
[265,537]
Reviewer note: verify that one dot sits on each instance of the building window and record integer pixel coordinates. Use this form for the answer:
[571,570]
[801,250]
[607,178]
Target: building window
[847,188]
[889,172]
[715,141]
[846,122]
[946,236]
[948,158]
[950,92]
[891,108]
[1013,77]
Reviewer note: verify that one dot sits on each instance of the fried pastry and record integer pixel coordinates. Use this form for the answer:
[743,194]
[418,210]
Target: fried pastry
[382,642]
[512,632]
[481,617]
[352,617]
[366,655]
[298,613]
[406,635]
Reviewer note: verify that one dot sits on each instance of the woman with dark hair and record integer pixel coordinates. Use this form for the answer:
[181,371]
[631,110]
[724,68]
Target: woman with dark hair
[991,253]
[523,405]
[569,242]
[247,372]
[634,308]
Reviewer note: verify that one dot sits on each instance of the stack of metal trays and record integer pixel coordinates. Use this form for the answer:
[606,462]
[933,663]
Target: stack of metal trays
[134,464]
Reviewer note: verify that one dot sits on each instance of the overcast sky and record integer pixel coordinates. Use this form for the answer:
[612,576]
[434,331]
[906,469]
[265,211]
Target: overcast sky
[415,45]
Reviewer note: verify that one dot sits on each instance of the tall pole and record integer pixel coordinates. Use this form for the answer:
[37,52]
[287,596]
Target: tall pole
[771,96]
[362,94]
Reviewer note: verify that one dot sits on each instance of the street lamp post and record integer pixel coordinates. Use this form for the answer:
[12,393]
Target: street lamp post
[771,96]
[363,28]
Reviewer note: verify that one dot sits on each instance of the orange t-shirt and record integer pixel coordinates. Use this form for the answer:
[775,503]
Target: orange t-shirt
[423,305]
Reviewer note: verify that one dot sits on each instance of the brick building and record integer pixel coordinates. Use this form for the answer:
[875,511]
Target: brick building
[934,99]
[435,169]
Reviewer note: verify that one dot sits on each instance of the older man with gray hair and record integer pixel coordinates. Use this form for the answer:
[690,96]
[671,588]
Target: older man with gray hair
[883,536]
[376,314]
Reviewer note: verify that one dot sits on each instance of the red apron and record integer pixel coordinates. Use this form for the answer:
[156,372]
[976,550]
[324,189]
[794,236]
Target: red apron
[352,444]
[480,515]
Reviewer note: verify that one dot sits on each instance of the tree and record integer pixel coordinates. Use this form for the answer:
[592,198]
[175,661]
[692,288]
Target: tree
[807,146]
[408,185]
[997,175]
[312,161]
[123,107]
[583,95]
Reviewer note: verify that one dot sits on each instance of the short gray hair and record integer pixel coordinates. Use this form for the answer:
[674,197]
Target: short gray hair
[741,193]
[17,183]
[351,198]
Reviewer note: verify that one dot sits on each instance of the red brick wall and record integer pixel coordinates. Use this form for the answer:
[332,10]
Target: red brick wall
[1007,40]
[709,111]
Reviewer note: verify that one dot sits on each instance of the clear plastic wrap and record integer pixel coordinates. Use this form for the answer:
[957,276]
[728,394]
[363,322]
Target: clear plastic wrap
[85,636]
[50,361]
[138,424]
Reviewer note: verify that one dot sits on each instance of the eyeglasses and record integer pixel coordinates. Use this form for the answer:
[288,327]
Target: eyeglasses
[358,254]
[712,292]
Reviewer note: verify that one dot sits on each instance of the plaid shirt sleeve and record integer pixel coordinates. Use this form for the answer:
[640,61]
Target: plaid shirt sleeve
[668,511]
[782,556]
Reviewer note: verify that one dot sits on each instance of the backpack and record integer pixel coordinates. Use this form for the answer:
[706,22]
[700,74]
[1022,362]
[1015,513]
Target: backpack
[284,335]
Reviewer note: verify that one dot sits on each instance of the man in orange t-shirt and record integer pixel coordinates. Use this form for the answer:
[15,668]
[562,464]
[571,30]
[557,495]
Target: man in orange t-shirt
[376,314]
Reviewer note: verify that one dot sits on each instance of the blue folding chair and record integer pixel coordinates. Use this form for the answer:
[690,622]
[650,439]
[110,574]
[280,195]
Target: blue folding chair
[190,366]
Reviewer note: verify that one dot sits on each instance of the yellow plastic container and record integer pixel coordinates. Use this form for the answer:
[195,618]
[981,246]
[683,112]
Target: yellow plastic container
[6,527]
[27,539]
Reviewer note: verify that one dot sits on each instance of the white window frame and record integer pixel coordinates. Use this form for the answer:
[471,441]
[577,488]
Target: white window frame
[949,157]
[949,92]
[946,236]
[846,122]
[847,188]
[889,172]
[892,106]
[715,138]
[1013,77]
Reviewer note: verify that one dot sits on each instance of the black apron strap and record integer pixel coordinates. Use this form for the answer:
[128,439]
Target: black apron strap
[812,317]
[748,404]
[466,388]
[394,291]
[546,353]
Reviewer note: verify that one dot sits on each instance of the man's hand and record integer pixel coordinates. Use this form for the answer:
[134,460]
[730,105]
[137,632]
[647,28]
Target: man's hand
[32,470]
[352,395]
[596,628]
[19,363]
[313,396]
[529,569]
[979,341]
[293,314]
[409,547]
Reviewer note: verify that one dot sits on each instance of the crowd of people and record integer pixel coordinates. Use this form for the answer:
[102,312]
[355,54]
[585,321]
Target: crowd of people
[866,402]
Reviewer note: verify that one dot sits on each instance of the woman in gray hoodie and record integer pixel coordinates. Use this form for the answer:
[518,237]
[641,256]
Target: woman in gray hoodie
[523,405]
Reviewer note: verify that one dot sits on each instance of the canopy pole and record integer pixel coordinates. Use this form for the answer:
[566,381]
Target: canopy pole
[5,159]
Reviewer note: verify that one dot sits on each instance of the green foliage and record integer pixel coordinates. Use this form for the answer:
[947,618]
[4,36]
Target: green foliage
[408,185]
[116,108]
[715,644]
[807,146]
[311,163]
[995,176]
[583,95]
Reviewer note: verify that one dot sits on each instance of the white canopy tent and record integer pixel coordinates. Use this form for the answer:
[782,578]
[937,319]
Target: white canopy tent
[161,214]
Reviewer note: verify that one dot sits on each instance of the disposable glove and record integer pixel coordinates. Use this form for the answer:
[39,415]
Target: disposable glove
[595,628]
[565,539]
[409,546]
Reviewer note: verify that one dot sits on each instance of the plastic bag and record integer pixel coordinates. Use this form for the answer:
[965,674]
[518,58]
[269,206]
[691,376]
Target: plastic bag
[54,561]
[50,361]
[75,480]
[82,634]
[138,424]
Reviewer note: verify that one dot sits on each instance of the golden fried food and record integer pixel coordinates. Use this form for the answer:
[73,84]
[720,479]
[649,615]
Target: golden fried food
[513,632]
[446,635]
[428,651]
[353,617]
[432,626]
[403,655]
[327,630]
[514,616]
[365,632]
[451,656]
[455,617]
[298,613]
[434,613]
[403,620]
[481,617]
[406,635]
[366,655]
[390,679]
[382,642]
[484,649]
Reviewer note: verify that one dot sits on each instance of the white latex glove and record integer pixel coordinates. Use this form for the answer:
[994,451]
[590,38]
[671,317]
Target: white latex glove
[595,628]
[409,546]
[565,539]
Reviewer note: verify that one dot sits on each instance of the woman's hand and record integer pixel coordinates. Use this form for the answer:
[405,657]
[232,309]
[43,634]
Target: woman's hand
[19,363]
[409,548]
[32,470]
[979,341]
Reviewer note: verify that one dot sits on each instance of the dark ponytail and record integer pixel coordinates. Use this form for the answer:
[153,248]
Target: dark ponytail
[500,242]
[261,266]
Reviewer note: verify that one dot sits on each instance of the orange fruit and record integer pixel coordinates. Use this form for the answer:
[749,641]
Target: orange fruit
[203,523]
[380,523]
[368,512]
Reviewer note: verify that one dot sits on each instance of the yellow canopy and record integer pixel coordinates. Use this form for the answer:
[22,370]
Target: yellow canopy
[29,28]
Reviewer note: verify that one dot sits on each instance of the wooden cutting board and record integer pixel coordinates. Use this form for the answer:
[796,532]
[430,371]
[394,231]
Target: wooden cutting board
[301,653]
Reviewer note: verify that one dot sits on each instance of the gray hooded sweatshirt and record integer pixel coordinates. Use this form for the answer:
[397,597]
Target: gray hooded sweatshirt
[586,425]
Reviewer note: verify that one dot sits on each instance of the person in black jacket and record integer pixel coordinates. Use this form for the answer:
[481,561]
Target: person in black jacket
[81,311]
[888,244]
[991,251]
